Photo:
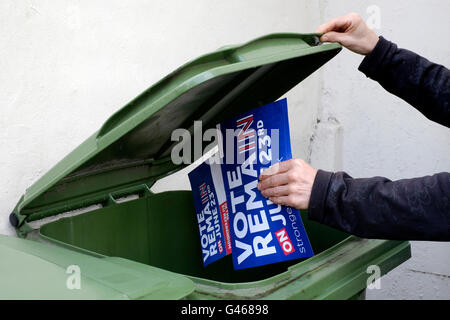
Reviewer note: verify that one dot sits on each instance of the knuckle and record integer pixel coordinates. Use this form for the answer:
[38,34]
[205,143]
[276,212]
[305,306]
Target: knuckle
[290,199]
[291,162]
[354,16]
[292,188]
[301,163]
[292,175]
[297,161]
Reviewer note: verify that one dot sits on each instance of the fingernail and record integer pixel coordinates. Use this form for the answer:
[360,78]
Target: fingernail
[259,186]
[324,38]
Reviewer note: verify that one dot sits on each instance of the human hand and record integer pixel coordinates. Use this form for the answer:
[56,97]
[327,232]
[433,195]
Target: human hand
[351,32]
[288,183]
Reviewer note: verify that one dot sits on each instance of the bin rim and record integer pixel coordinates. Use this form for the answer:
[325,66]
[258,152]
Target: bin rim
[131,150]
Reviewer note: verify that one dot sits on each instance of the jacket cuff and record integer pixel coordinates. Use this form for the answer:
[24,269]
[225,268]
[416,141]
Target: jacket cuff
[372,63]
[319,192]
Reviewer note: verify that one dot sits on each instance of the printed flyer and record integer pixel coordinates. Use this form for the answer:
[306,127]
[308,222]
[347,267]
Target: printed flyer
[232,215]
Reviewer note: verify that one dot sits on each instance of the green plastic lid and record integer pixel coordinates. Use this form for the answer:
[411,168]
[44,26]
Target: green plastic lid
[132,149]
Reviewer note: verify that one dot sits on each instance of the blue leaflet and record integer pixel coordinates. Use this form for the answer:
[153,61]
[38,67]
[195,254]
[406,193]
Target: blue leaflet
[257,232]
[211,211]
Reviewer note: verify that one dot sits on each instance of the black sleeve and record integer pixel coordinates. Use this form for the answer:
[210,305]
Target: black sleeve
[377,208]
[421,83]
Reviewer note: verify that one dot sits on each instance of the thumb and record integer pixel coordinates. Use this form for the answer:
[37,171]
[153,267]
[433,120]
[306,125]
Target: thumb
[333,36]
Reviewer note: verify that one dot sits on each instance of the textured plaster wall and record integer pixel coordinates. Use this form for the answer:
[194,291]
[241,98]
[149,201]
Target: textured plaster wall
[67,65]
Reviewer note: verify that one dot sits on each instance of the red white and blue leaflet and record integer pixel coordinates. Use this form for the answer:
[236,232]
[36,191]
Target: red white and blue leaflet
[232,215]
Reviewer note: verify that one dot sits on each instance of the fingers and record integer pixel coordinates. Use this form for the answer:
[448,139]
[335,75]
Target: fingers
[277,191]
[283,200]
[333,36]
[336,24]
[274,180]
[289,183]
[274,169]
[279,167]
[291,201]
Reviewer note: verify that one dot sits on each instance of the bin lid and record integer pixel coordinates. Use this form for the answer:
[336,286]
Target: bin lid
[133,147]
[33,270]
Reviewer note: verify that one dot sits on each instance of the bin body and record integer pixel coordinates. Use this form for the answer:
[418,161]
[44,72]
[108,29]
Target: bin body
[143,230]
[132,150]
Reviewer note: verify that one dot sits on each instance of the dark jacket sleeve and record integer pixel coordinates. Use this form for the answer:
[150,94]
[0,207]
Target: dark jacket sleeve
[421,83]
[377,208]
[409,209]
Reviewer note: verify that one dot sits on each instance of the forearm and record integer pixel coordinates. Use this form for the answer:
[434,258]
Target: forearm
[408,209]
[421,83]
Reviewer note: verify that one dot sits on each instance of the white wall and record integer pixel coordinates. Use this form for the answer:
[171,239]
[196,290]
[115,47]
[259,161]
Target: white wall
[67,65]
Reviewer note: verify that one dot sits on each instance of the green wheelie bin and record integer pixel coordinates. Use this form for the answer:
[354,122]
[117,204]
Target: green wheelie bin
[95,210]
